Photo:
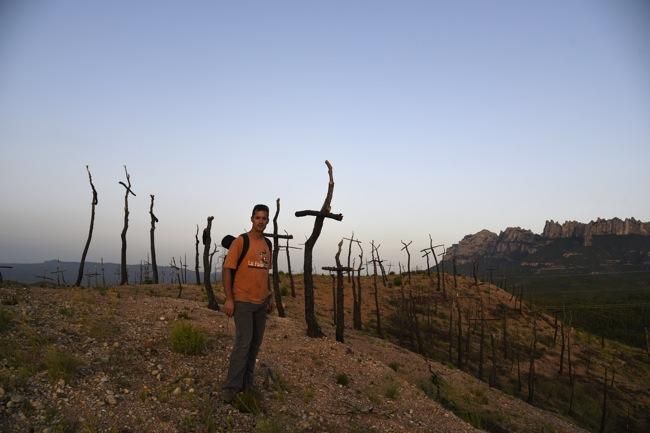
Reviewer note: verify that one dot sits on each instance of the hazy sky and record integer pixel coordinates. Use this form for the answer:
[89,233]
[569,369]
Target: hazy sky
[438,117]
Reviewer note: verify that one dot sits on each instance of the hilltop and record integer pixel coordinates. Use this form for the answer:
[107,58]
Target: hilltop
[101,360]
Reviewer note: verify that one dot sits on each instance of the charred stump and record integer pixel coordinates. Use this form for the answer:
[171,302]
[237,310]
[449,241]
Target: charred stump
[207,241]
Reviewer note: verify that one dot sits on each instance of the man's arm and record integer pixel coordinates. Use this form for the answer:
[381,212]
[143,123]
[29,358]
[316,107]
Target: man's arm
[229,305]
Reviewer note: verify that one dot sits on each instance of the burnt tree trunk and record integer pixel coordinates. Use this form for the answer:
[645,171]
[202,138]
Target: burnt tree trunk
[460,335]
[562,348]
[453,262]
[196,256]
[603,418]
[210,263]
[356,313]
[276,252]
[293,286]
[374,281]
[351,272]
[124,278]
[313,329]
[80,274]
[481,345]
[207,241]
[571,372]
[340,313]
[493,373]
[333,276]
[505,332]
[415,324]
[154,220]
[451,330]
[531,366]
[408,260]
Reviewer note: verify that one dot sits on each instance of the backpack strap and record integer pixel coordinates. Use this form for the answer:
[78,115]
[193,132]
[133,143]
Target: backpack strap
[244,250]
[268,243]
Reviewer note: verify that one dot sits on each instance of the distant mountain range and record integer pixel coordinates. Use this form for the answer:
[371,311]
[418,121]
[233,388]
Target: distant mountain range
[95,274]
[603,245]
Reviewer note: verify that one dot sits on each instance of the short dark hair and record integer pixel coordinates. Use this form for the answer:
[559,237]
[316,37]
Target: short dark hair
[260,207]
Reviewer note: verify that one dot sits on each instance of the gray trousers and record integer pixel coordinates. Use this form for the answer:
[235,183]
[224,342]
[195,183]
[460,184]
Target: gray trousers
[250,321]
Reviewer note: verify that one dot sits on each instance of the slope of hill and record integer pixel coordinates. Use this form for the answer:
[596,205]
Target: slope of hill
[87,360]
[101,360]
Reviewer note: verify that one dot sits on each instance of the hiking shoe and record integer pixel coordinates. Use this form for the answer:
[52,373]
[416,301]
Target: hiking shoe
[228,395]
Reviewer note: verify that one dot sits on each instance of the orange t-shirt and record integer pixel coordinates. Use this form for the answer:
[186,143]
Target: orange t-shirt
[252,278]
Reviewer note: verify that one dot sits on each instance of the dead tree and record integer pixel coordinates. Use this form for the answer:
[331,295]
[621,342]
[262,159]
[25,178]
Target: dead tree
[531,366]
[340,313]
[451,329]
[426,254]
[89,275]
[460,336]
[481,344]
[432,248]
[276,252]
[172,264]
[380,263]
[442,265]
[196,256]
[124,278]
[374,282]
[210,261]
[313,330]
[493,373]
[80,274]
[185,268]
[287,247]
[453,262]
[505,332]
[408,261]
[414,322]
[207,241]
[154,220]
[103,273]
[60,274]
[356,310]
[571,372]
[351,239]
[606,388]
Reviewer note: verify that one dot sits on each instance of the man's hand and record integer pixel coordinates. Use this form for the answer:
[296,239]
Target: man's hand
[271,304]
[229,307]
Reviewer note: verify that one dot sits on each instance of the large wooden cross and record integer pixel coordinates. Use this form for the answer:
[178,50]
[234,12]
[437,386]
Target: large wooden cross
[313,330]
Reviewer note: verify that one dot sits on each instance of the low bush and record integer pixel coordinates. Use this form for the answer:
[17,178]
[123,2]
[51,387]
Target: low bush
[6,319]
[187,339]
[61,365]
[342,379]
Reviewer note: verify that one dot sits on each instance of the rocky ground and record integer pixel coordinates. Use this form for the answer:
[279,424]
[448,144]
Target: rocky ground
[91,360]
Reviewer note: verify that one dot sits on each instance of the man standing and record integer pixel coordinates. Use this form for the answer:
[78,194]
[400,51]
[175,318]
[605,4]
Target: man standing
[248,298]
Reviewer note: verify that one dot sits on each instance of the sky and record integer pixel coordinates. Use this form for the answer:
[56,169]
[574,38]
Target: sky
[440,118]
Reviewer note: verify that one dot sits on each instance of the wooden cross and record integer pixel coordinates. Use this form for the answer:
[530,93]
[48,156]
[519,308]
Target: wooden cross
[351,239]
